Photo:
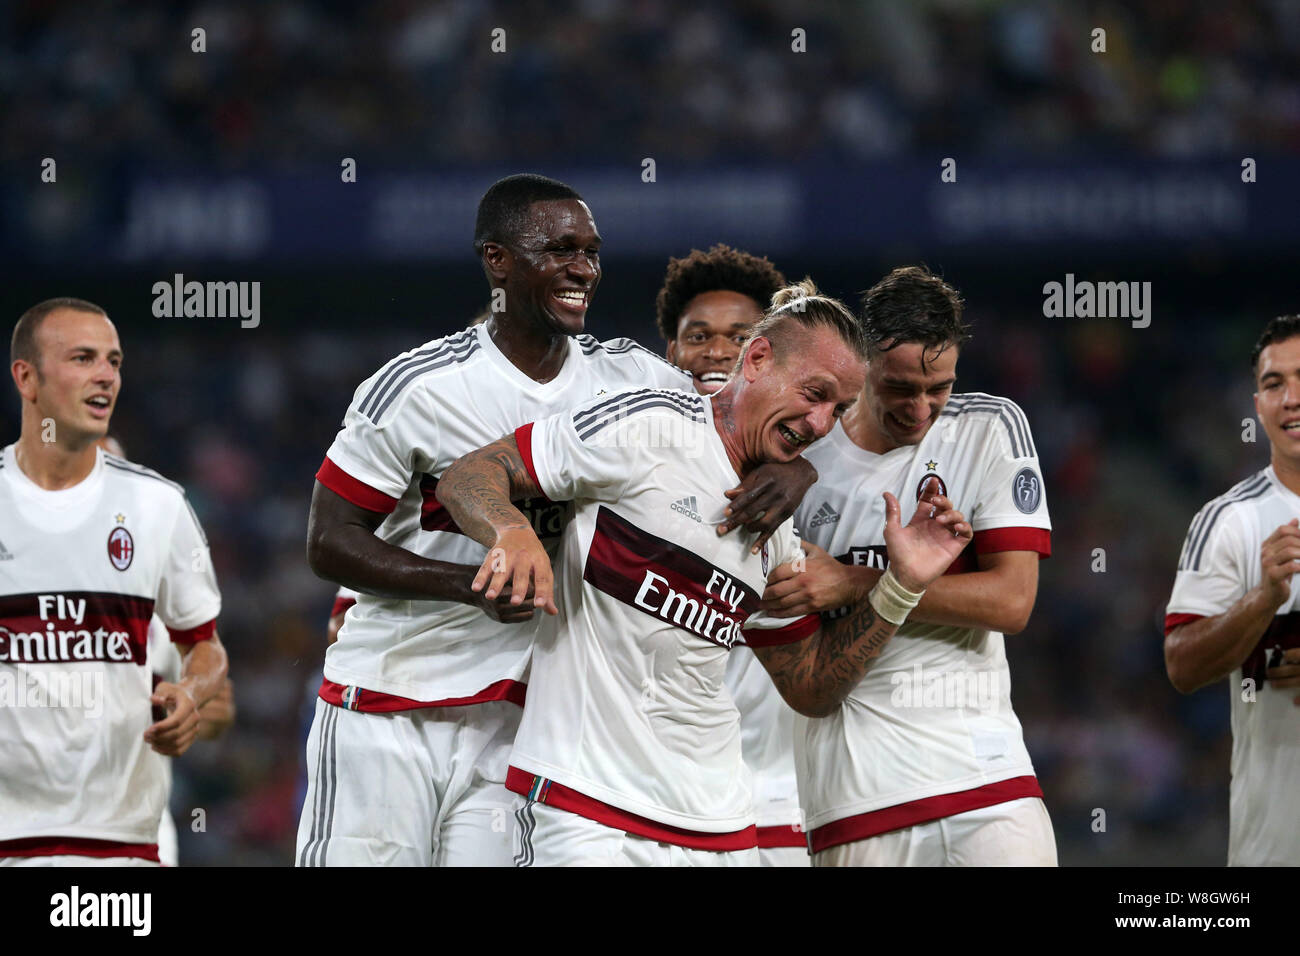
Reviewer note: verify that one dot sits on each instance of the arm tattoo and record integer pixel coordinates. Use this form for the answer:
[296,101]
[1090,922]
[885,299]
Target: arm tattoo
[815,675]
[477,490]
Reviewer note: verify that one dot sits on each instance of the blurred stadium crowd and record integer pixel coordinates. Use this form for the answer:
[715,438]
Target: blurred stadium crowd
[413,81]
[1136,429]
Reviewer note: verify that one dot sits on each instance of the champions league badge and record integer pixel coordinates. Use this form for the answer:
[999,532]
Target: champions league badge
[121,548]
[1026,490]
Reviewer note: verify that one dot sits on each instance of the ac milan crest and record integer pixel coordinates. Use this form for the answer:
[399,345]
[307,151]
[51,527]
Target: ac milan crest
[920,485]
[763,554]
[121,548]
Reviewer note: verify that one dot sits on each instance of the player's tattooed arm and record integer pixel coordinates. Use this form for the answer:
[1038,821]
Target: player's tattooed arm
[342,547]
[815,675]
[477,492]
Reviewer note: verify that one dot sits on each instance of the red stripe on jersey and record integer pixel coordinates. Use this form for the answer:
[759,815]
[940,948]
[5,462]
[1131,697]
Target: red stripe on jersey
[797,630]
[374,702]
[433,516]
[665,581]
[77,846]
[358,492]
[203,632]
[341,605]
[1014,539]
[1282,634]
[1175,620]
[772,837]
[875,822]
[87,625]
[563,798]
[524,439]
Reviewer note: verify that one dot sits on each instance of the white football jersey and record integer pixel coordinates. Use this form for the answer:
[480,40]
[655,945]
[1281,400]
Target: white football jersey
[82,571]
[406,425]
[629,721]
[767,741]
[1218,565]
[929,731]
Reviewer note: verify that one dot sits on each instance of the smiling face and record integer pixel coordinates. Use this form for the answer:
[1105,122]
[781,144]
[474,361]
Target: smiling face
[1277,398]
[77,376]
[789,402]
[553,266]
[903,397]
[710,332]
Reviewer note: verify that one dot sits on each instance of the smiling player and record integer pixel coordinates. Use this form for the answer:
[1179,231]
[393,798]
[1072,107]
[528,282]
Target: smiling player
[1233,613]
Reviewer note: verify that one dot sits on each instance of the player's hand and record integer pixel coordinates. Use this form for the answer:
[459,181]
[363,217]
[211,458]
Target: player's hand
[1279,558]
[922,550]
[218,712]
[519,561]
[173,735]
[767,497]
[1286,674]
[816,583]
[502,608]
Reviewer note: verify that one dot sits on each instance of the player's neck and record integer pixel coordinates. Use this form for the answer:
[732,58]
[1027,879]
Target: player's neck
[1288,472]
[536,351]
[726,424]
[52,465]
[861,427]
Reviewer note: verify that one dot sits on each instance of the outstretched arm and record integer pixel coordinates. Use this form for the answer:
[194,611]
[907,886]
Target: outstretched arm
[816,674]
[477,492]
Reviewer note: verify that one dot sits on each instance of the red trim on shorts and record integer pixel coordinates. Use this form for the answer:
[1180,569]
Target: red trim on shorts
[875,822]
[341,604]
[374,702]
[1014,539]
[772,837]
[203,632]
[772,636]
[563,798]
[78,846]
[1178,620]
[354,490]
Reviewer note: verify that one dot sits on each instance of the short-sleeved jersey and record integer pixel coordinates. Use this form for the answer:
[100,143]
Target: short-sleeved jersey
[406,425]
[767,741]
[629,721]
[929,731]
[82,571]
[1218,565]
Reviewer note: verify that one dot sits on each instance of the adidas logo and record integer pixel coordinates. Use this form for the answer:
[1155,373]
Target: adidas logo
[688,507]
[825,515]
[4,554]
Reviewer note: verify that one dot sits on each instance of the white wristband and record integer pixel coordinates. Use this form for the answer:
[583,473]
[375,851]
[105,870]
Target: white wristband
[891,600]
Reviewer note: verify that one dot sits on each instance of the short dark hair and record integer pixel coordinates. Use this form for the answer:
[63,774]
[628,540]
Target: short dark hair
[722,268]
[1278,330]
[506,202]
[912,304]
[798,309]
[23,344]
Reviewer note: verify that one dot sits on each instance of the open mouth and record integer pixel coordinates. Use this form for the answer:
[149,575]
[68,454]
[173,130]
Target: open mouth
[99,404]
[793,438]
[903,426]
[574,300]
[710,382]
